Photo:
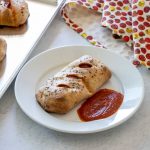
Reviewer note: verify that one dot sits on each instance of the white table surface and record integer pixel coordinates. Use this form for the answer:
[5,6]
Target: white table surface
[18,132]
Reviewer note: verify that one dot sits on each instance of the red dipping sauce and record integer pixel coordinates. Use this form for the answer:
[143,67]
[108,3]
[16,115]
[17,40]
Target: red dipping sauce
[101,105]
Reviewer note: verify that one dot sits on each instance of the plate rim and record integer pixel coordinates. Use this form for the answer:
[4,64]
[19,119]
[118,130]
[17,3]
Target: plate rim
[79,132]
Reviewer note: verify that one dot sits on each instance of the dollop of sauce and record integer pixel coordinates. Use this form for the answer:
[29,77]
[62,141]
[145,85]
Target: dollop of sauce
[101,105]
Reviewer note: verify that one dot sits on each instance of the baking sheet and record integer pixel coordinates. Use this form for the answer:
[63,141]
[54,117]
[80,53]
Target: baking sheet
[22,40]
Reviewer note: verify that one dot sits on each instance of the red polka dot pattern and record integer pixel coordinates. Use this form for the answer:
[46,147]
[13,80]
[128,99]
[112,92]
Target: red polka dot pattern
[129,20]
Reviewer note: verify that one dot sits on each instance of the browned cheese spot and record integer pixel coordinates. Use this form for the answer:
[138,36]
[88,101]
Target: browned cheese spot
[72,76]
[63,85]
[85,65]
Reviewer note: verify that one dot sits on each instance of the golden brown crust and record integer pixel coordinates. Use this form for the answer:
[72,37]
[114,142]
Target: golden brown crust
[93,76]
[76,82]
[3,47]
[60,94]
[13,12]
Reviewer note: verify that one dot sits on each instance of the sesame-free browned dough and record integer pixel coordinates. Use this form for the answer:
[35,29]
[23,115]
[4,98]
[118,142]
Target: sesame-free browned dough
[3,47]
[76,82]
[13,12]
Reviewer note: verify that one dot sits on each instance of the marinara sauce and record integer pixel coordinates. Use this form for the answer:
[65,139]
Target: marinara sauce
[101,105]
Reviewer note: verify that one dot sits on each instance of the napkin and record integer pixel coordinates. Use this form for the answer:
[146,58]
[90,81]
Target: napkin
[128,21]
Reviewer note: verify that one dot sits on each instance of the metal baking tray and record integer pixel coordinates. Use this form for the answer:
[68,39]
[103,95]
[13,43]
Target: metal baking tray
[22,40]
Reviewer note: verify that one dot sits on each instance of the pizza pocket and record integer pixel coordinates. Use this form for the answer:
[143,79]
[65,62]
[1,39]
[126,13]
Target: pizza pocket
[76,82]
[3,47]
[13,12]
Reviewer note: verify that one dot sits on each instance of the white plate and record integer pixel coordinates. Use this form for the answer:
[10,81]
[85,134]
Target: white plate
[126,79]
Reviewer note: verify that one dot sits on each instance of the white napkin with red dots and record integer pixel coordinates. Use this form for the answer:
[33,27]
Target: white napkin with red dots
[128,20]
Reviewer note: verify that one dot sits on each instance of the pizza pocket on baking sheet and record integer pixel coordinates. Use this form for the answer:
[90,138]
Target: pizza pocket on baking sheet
[13,12]
[76,82]
[3,47]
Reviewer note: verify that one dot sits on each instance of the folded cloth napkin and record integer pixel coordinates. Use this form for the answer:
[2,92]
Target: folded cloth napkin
[128,20]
